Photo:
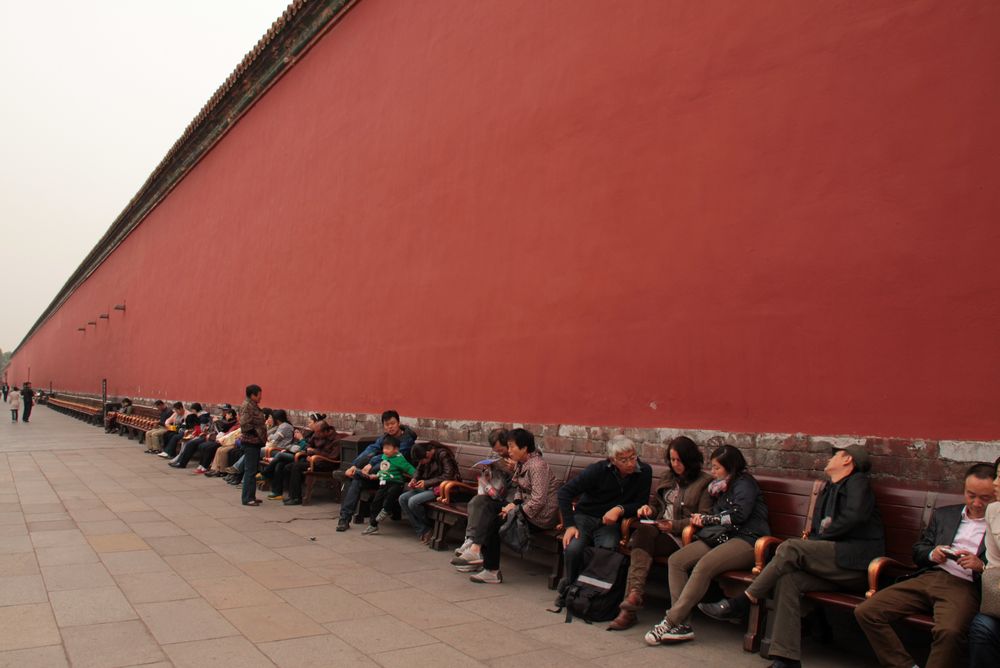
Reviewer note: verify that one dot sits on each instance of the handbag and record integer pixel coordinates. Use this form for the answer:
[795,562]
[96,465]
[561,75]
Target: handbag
[991,592]
[715,535]
[514,532]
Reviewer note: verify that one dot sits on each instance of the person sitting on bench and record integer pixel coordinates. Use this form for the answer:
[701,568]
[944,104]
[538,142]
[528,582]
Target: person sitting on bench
[435,463]
[390,474]
[168,417]
[950,555]
[847,533]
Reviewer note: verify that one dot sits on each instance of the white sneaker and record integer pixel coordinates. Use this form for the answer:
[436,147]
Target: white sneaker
[382,516]
[162,454]
[665,633]
[487,577]
[463,547]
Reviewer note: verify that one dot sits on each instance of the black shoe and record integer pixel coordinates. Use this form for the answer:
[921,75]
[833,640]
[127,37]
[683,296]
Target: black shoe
[293,502]
[343,525]
[175,465]
[727,609]
[780,662]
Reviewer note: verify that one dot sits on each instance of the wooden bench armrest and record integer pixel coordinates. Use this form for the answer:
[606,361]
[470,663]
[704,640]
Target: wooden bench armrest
[449,487]
[321,458]
[687,535]
[763,550]
[879,568]
[628,524]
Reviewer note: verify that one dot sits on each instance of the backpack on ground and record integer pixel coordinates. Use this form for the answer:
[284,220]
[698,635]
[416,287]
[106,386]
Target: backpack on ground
[599,588]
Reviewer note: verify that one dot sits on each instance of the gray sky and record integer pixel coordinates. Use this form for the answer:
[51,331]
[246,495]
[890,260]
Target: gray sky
[93,94]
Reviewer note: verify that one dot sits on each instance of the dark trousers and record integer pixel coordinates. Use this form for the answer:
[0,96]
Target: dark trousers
[251,457]
[952,601]
[984,642]
[171,440]
[275,471]
[187,452]
[26,411]
[799,566]
[386,497]
[296,473]
[592,532]
[13,415]
[349,502]
[206,453]
[491,545]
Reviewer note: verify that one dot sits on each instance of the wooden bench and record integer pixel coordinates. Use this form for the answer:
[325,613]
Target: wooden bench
[82,408]
[451,508]
[141,420]
[311,473]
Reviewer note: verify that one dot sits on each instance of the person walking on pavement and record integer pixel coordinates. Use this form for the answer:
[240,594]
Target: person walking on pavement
[27,401]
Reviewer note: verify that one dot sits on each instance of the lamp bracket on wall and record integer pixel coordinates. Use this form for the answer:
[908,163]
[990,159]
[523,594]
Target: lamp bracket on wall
[103,316]
[119,307]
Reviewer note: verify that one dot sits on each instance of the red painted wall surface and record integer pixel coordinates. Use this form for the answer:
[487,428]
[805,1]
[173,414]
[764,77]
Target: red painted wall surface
[745,216]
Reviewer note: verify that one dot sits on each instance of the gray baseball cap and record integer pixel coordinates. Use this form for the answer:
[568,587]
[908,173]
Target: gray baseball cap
[862,461]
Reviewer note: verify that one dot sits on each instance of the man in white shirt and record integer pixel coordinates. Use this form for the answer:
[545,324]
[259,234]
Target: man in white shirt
[951,554]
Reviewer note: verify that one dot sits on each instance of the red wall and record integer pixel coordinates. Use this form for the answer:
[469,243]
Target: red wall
[776,216]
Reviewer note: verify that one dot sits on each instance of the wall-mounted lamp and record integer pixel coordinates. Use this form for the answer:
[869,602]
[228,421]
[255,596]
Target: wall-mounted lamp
[119,307]
[103,316]
[81,329]
[93,322]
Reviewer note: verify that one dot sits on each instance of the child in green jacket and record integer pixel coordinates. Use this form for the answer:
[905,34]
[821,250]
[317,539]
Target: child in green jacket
[390,474]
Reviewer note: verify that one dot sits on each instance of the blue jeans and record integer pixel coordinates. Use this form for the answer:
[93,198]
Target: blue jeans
[251,457]
[984,642]
[412,504]
[592,532]
[349,502]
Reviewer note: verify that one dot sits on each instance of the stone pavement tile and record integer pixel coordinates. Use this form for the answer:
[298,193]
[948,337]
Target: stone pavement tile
[580,639]
[104,527]
[25,626]
[513,612]
[66,555]
[448,584]
[16,544]
[37,526]
[42,518]
[544,658]
[419,608]
[236,651]
[180,621]
[77,576]
[157,529]
[245,552]
[78,607]
[198,521]
[273,538]
[277,621]
[64,538]
[361,632]
[11,518]
[217,536]
[154,587]
[429,656]
[484,640]
[364,580]
[110,645]
[52,656]
[21,589]
[138,516]
[101,514]
[326,650]
[327,527]
[193,567]
[386,559]
[281,574]
[139,561]
[328,603]
[309,553]
[42,509]
[172,545]
[238,591]
[117,542]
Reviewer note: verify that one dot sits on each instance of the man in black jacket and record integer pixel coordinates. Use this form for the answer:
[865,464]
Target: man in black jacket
[606,492]
[952,554]
[846,535]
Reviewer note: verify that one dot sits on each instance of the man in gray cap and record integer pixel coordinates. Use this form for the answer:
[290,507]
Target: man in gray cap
[846,535]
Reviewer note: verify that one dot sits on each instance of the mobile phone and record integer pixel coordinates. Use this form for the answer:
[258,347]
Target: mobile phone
[647,521]
[950,553]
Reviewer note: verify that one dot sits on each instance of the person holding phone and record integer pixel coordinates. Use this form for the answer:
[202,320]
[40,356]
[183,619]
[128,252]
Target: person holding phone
[681,491]
[951,553]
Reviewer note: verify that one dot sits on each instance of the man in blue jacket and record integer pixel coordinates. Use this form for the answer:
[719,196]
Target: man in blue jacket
[605,492]
[368,460]
[847,533]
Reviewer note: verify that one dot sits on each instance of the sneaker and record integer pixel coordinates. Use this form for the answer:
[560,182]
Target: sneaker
[727,609]
[369,530]
[382,515]
[343,525]
[275,497]
[468,558]
[468,569]
[487,577]
[665,633]
[463,547]
[162,454]
[200,470]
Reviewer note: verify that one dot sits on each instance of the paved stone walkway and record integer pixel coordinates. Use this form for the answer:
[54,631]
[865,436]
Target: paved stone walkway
[110,558]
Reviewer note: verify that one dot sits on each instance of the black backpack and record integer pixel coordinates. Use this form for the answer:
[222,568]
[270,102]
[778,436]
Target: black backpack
[599,588]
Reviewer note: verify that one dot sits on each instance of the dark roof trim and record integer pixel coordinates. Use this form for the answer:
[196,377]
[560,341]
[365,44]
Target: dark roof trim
[301,25]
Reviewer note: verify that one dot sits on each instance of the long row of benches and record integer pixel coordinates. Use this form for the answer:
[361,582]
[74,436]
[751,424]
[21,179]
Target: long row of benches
[82,408]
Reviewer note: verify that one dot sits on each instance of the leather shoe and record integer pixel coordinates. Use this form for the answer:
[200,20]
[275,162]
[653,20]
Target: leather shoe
[626,619]
[632,602]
